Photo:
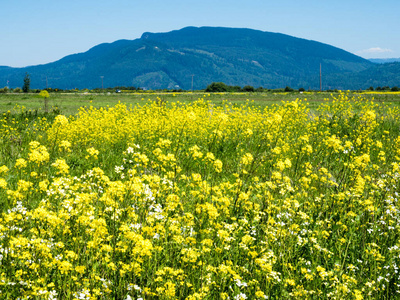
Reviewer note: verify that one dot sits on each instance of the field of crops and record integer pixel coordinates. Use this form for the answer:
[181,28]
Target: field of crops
[69,103]
[202,200]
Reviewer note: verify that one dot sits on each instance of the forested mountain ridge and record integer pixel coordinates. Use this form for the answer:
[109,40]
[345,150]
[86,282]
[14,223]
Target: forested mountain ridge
[235,56]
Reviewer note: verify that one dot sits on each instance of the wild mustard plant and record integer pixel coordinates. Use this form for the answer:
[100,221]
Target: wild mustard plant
[201,201]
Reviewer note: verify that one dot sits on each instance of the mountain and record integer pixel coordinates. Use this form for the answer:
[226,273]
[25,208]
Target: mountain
[387,74]
[235,56]
[384,60]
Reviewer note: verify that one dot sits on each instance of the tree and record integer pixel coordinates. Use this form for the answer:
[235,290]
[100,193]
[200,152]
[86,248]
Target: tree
[248,88]
[4,90]
[260,89]
[217,87]
[235,88]
[288,89]
[27,83]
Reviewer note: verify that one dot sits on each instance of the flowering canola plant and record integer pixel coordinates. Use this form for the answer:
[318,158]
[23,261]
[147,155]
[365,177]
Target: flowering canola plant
[198,201]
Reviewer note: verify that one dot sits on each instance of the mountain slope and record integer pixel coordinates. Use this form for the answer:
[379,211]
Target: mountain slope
[168,60]
[384,60]
[387,74]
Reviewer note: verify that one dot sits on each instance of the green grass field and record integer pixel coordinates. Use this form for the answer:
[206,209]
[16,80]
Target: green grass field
[69,103]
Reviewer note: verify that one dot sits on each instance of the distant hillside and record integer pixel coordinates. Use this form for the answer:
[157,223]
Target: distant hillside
[384,60]
[387,74]
[234,56]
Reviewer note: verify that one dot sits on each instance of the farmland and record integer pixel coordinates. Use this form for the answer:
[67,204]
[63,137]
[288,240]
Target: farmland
[200,196]
[69,103]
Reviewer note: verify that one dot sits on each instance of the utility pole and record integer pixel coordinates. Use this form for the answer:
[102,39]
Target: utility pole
[192,82]
[47,83]
[102,87]
[320,77]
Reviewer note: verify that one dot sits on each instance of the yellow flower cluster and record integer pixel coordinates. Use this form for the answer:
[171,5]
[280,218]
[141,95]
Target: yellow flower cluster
[38,153]
[61,166]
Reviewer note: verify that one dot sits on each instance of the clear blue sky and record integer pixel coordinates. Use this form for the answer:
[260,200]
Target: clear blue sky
[43,31]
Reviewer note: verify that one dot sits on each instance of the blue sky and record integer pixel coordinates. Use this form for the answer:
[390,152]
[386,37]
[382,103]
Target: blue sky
[43,31]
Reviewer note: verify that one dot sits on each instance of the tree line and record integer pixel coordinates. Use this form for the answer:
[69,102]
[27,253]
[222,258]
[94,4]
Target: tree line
[214,87]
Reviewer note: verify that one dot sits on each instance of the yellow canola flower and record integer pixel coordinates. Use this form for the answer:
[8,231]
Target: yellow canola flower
[196,177]
[190,255]
[65,267]
[61,166]
[248,132]
[61,120]
[92,152]
[195,151]
[247,159]
[24,186]
[247,239]
[191,116]
[334,143]
[21,163]
[164,143]
[3,183]
[43,185]
[362,161]
[210,156]
[38,153]
[369,116]
[223,117]
[34,144]
[4,169]
[358,295]
[218,165]
[65,145]
[170,289]
[280,165]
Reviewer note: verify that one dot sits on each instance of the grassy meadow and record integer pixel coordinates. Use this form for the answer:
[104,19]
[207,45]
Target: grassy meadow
[200,196]
[69,103]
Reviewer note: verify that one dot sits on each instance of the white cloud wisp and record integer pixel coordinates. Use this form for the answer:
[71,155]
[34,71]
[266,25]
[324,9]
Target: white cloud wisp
[375,50]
